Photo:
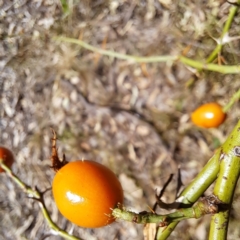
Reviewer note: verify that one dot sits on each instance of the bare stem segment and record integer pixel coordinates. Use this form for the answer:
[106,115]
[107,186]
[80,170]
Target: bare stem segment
[206,205]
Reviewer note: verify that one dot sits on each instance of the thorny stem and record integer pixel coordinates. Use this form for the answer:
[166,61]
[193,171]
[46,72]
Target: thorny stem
[194,191]
[226,183]
[225,69]
[229,171]
[220,42]
[227,25]
[207,205]
[35,194]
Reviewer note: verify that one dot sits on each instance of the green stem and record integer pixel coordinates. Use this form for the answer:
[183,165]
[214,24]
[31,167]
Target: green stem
[195,190]
[202,181]
[201,208]
[65,7]
[227,25]
[219,231]
[205,178]
[154,59]
[37,195]
[225,69]
[29,191]
[116,54]
[233,99]
[226,183]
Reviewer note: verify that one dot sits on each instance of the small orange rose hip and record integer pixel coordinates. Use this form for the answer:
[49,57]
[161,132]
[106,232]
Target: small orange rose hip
[85,192]
[209,115]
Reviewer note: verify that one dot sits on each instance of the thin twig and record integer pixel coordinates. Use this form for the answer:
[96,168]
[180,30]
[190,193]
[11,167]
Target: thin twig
[37,195]
[234,98]
[227,25]
[206,205]
[226,69]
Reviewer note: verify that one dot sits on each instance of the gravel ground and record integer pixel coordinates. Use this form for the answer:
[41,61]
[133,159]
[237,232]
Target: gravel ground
[133,118]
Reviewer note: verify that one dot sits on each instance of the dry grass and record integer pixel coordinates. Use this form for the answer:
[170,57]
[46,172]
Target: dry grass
[133,118]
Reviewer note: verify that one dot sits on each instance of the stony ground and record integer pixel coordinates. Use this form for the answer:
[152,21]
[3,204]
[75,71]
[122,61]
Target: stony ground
[132,117]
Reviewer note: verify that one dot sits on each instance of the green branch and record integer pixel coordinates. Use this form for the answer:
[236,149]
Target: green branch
[35,194]
[209,173]
[226,183]
[195,190]
[204,206]
[225,69]
[116,54]
[155,59]
[235,97]
[227,25]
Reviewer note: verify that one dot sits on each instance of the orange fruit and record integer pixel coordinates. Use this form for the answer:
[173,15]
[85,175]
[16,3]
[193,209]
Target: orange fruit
[209,115]
[85,193]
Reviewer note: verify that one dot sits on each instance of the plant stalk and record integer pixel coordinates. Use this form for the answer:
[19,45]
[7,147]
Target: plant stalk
[226,183]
